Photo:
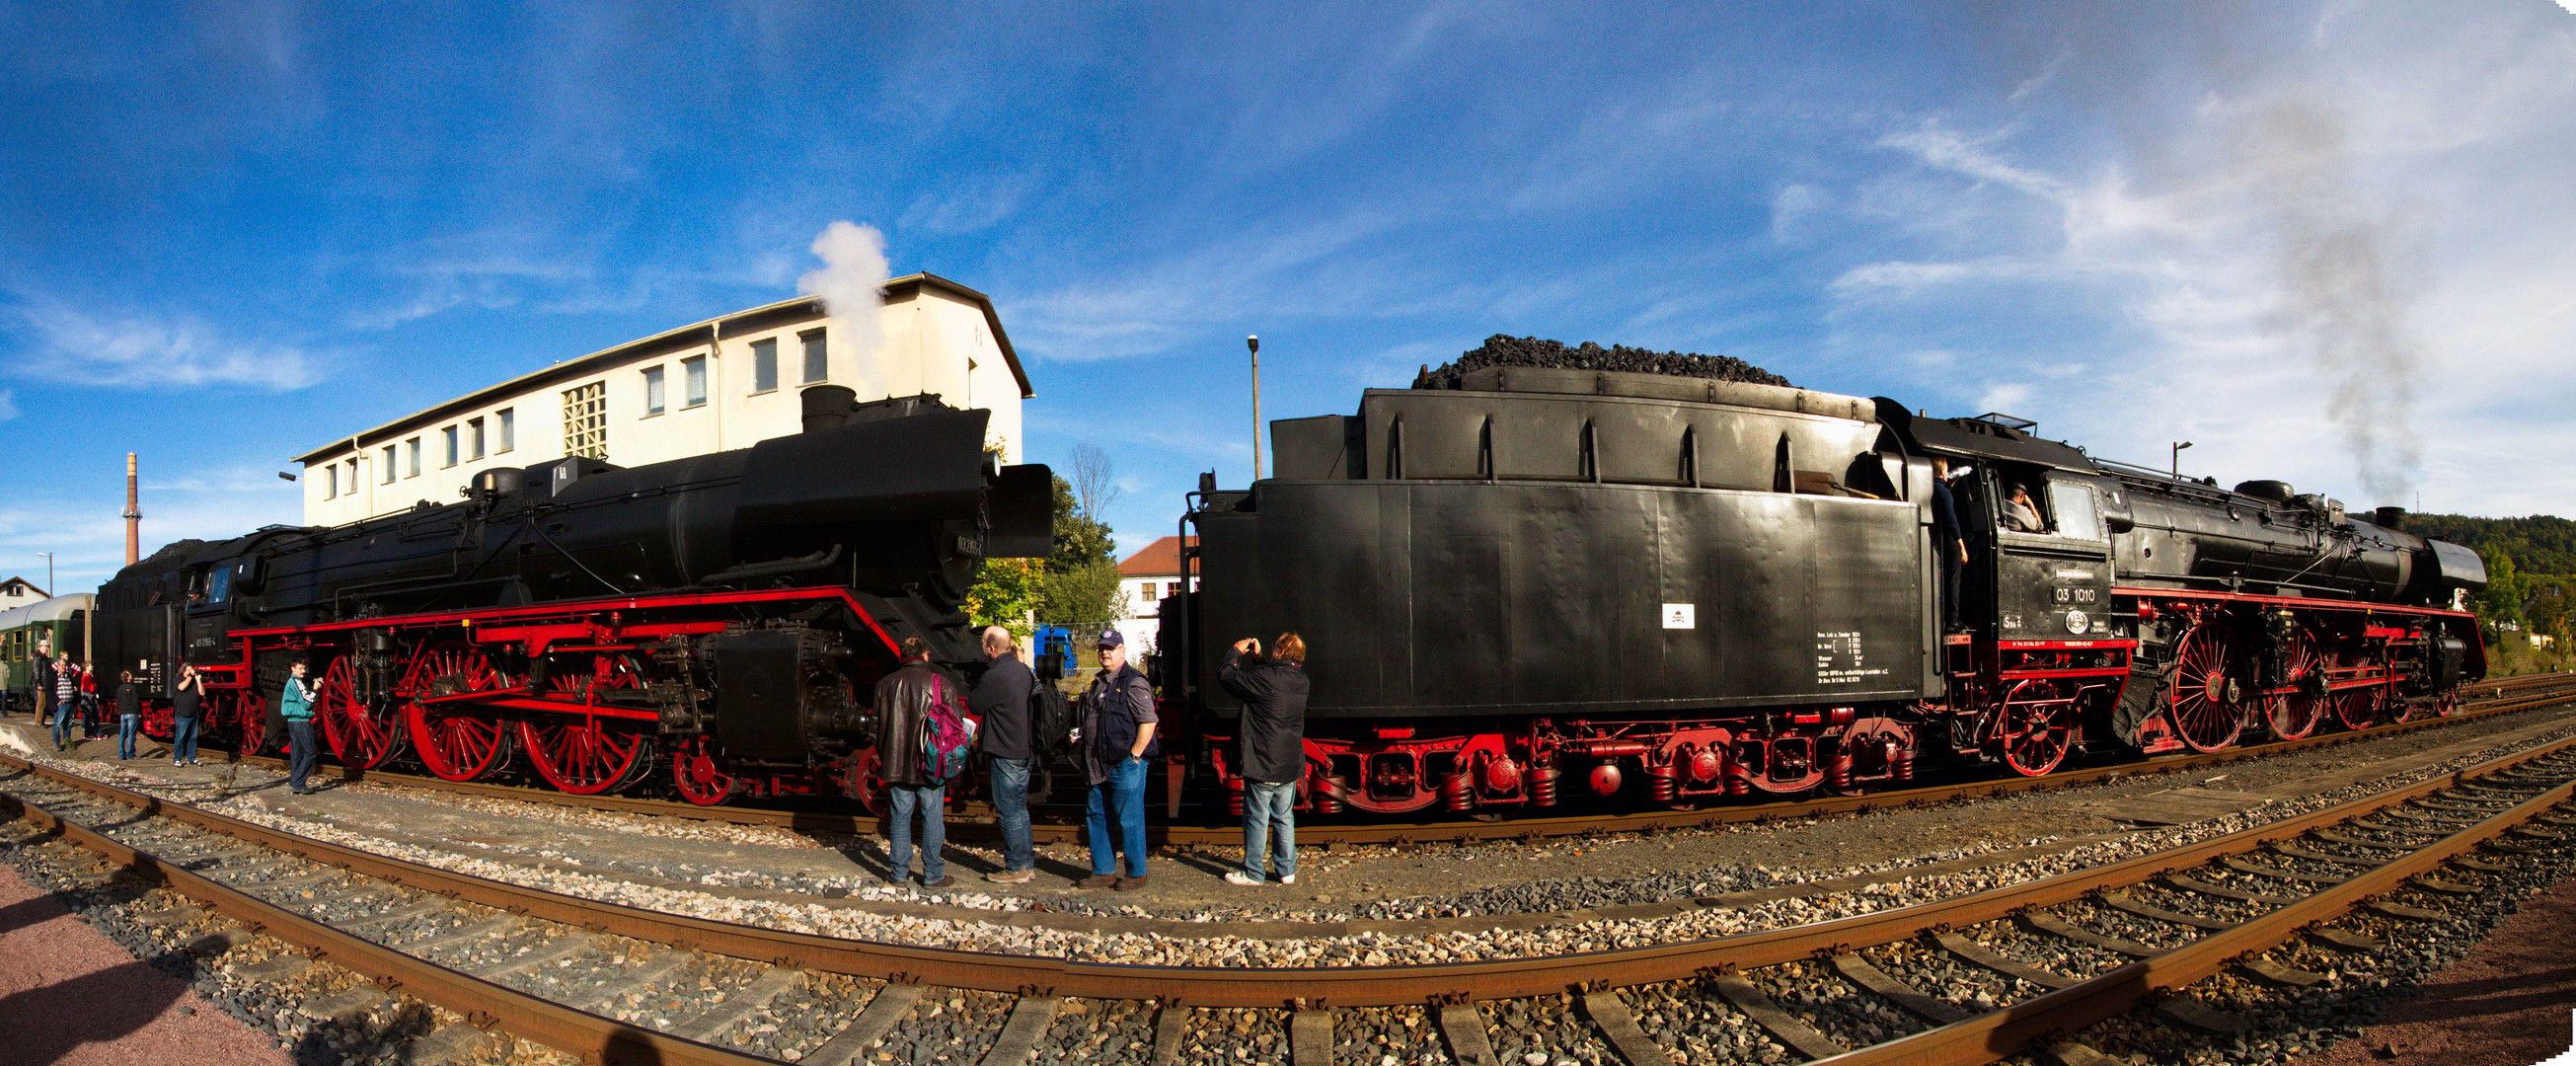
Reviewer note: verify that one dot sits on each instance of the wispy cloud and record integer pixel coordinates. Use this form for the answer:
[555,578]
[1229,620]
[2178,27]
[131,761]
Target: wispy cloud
[172,350]
[8,404]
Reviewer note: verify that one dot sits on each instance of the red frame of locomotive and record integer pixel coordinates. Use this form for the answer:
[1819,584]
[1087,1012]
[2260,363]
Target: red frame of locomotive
[2015,702]
[463,718]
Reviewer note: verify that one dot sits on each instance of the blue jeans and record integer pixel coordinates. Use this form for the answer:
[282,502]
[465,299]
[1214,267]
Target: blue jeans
[932,801]
[299,762]
[125,724]
[1124,790]
[1011,810]
[64,712]
[183,739]
[1268,807]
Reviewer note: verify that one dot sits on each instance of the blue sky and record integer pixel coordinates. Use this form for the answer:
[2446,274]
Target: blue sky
[2328,242]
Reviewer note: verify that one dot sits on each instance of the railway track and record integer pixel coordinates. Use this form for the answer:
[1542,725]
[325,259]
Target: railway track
[1966,979]
[975,821]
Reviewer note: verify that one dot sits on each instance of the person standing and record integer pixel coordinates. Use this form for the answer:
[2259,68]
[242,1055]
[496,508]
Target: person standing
[903,700]
[1273,758]
[295,704]
[129,713]
[66,700]
[187,705]
[1948,540]
[93,724]
[43,669]
[1118,723]
[1001,700]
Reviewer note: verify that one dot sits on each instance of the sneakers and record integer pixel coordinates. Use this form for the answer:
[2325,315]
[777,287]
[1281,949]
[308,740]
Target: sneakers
[1097,881]
[1238,877]
[1130,884]
[943,882]
[1011,877]
[1288,879]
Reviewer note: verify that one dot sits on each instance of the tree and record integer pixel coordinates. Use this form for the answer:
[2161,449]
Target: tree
[1094,487]
[1081,583]
[2501,601]
[1006,593]
[1086,596]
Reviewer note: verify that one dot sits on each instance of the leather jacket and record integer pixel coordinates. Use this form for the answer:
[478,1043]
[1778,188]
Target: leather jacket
[902,700]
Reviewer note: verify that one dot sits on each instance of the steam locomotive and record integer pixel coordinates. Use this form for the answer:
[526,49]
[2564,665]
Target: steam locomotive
[720,616]
[1678,589]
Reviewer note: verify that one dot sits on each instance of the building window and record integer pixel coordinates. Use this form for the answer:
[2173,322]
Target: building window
[331,482]
[450,435]
[411,448]
[586,420]
[652,391]
[353,475]
[474,437]
[509,428]
[764,365]
[693,381]
[388,464]
[818,363]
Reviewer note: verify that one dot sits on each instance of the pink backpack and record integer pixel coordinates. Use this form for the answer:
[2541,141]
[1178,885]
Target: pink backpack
[947,737]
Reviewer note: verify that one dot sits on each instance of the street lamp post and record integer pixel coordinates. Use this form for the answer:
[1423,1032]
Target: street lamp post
[2177,458]
[1254,343]
[49,572]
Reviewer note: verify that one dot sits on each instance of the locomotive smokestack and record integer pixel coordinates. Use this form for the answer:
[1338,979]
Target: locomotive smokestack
[828,406]
[133,516]
[2390,517]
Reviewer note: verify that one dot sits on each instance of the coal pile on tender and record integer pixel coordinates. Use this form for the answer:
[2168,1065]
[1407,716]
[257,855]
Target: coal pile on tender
[1500,350]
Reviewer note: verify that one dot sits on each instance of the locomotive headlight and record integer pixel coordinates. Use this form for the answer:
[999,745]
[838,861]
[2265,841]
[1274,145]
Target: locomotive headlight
[2075,621]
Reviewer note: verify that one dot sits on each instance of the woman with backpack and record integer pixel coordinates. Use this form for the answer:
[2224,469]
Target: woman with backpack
[910,702]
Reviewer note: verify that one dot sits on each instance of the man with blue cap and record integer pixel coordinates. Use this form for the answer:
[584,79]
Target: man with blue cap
[1118,723]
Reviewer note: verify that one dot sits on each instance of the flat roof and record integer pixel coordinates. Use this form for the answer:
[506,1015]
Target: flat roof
[765,316]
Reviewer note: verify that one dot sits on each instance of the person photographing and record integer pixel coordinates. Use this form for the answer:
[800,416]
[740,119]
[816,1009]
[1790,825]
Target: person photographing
[1273,758]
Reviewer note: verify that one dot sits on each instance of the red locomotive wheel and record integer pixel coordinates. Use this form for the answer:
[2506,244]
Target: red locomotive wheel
[2294,710]
[2036,726]
[456,741]
[2358,708]
[250,723]
[2448,702]
[583,754]
[870,789]
[702,780]
[2204,712]
[361,737]
[159,722]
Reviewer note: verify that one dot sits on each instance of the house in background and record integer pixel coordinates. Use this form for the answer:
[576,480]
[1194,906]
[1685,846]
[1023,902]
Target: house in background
[724,383]
[1143,580]
[19,592]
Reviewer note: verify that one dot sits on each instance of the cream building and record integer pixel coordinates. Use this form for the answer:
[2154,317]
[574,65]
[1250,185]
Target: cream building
[724,383]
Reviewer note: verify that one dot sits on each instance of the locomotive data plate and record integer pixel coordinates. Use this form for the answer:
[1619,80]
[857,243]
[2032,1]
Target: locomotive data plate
[1681,616]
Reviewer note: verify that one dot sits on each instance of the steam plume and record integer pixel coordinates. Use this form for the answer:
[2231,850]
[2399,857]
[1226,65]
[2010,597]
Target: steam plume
[851,285]
[2340,296]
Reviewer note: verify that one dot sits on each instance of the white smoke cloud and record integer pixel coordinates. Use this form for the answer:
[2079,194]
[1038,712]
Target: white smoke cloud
[852,286]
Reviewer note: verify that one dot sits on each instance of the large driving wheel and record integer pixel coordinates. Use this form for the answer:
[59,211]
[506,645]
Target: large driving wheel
[586,754]
[2294,709]
[456,739]
[2359,708]
[361,737]
[2036,725]
[2204,711]
[699,774]
[250,723]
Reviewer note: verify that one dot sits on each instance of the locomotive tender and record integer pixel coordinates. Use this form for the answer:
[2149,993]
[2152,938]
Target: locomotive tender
[1725,588]
[723,613]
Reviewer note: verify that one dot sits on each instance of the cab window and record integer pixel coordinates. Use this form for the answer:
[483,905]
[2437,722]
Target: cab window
[219,583]
[2077,517]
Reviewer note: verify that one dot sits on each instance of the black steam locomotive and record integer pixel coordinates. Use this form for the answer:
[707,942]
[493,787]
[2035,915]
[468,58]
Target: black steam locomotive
[1691,588]
[722,614]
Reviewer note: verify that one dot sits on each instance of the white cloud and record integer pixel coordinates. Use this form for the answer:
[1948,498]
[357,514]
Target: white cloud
[8,404]
[146,351]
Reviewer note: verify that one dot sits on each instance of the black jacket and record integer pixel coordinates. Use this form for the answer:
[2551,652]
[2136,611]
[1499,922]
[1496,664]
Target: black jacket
[185,700]
[1945,522]
[1001,699]
[1274,716]
[128,701]
[903,698]
[1133,710]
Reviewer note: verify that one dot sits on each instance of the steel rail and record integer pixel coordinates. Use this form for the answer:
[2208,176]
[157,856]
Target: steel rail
[1303,986]
[485,1004]
[1992,1036]
[1509,828]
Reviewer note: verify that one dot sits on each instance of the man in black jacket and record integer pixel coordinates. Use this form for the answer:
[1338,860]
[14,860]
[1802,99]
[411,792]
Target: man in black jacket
[1273,725]
[1949,541]
[1001,699]
[903,698]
